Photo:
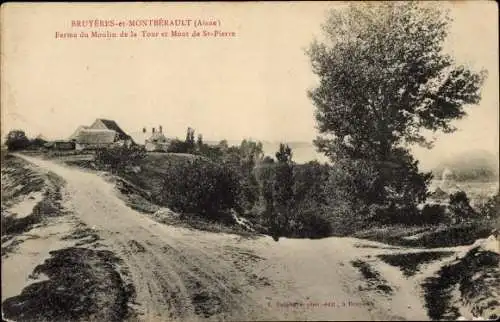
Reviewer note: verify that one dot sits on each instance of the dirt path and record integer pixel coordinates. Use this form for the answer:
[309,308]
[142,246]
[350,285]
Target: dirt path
[182,274]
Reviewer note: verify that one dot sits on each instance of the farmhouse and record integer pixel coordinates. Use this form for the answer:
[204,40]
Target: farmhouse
[103,124]
[95,138]
[152,141]
[102,133]
[157,141]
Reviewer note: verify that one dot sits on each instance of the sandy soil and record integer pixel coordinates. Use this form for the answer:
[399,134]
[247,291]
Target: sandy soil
[182,274]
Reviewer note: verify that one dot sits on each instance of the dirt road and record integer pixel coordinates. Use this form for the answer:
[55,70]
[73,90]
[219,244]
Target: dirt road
[182,274]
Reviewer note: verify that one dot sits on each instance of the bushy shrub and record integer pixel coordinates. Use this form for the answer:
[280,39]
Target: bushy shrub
[433,215]
[16,140]
[199,186]
[36,144]
[309,181]
[460,207]
[178,146]
[366,191]
[119,158]
[352,190]
[214,153]
[310,221]
[491,208]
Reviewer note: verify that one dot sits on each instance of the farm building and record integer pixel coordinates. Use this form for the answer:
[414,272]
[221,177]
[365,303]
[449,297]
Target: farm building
[38,142]
[152,141]
[157,142]
[102,124]
[102,133]
[60,145]
[94,139]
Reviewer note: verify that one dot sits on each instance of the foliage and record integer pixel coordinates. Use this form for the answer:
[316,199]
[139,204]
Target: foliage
[119,158]
[190,143]
[432,215]
[280,214]
[37,143]
[223,145]
[200,187]
[460,207]
[349,182]
[267,160]
[177,146]
[214,153]
[251,152]
[491,208]
[199,141]
[309,182]
[16,140]
[384,79]
[243,160]
[310,220]
[384,71]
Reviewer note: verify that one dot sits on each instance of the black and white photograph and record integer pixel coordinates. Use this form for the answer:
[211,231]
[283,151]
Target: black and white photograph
[250,161]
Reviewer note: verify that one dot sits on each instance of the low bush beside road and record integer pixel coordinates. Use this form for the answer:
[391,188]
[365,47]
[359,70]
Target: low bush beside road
[201,187]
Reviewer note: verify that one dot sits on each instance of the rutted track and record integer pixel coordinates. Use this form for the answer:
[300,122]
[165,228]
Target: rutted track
[176,274]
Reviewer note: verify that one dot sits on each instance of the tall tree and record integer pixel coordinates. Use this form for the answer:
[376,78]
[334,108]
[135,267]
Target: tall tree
[199,140]
[384,79]
[190,143]
[283,195]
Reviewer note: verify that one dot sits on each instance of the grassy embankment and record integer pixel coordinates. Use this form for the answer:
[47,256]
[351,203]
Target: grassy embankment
[142,190]
[80,282]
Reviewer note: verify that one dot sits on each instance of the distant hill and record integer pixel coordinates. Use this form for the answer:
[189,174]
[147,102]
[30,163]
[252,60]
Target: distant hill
[472,165]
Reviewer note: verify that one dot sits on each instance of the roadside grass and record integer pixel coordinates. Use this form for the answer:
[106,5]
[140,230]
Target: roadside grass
[141,200]
[83,285]
[428,236]
[19,180]
[476,276]
[83,235]
[192,221]
[373,278]
[409,263]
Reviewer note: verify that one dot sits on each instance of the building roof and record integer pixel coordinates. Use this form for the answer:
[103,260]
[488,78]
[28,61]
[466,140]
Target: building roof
[142,138]
[77,131]
[95,136]
[157,136]
[112,125]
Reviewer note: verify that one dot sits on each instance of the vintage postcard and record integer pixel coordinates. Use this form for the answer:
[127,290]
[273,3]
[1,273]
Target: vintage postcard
[250,161]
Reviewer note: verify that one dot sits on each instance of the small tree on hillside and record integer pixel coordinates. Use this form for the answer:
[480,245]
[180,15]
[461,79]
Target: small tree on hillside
[383,79]
[190,142]
[199,141]
[245,158]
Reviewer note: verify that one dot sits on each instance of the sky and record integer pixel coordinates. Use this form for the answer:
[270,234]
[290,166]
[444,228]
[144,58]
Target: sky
[252,85]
